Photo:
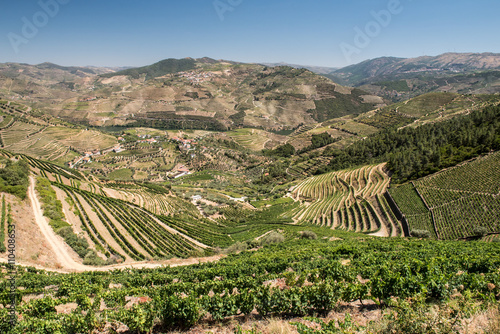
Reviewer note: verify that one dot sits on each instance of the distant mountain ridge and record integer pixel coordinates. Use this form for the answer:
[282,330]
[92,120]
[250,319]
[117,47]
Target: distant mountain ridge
[219,94]
[161,68]
[401,78]
[187,93]
[312,68]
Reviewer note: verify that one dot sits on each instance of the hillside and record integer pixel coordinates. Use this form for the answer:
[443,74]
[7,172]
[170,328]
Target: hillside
[315,69]
[187,93]
[161,68]
[399,78]
[311,199]
[455,203]
[299,286]
[23,130]
[216,188]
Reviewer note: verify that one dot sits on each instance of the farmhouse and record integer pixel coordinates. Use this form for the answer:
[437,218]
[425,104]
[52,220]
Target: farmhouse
[180,171]
[73,163]
[117,149]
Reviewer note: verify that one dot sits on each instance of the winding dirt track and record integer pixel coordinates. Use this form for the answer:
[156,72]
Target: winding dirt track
[55,242]
[65,259]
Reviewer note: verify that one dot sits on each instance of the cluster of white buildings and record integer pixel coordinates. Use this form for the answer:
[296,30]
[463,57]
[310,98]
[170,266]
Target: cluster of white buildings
[195,77]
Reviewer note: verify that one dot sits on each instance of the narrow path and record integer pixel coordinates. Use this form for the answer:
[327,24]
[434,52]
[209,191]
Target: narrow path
[134,265]
[54,241]
[68,264]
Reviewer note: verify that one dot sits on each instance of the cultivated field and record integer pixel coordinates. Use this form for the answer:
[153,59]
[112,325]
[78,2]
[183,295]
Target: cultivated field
[455,202]
[252,139]
[52,142]
[350,200]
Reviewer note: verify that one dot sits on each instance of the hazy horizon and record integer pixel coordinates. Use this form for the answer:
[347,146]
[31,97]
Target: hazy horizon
[232,60]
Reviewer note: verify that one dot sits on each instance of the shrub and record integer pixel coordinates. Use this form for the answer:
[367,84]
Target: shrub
[91,259]
[272,238]
[14,178]
[52,207]
[420,233]
[308,235]
[415,316]
[113,259]
[139,318]
[183,312]
[237,247]
[480,231]
[253,243]
[78,244]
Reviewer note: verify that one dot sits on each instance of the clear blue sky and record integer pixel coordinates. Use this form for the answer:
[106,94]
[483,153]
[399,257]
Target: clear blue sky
[135,33]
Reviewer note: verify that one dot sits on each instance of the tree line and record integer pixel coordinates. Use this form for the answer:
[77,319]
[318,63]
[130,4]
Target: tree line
[412,153]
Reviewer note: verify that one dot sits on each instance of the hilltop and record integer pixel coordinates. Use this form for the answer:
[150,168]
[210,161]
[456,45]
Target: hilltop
[402,78]
[186,93]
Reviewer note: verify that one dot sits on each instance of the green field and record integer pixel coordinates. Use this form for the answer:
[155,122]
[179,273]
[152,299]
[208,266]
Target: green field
[411,284]
[348,200]
[121,174]
[263,203]
[461,199]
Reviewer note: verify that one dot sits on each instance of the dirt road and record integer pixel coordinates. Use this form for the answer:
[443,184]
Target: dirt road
[68,264]
[134,265]
[55,241]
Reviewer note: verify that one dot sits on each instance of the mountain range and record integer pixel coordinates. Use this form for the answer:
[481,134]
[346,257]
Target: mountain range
[194,93]
[402,78]
[218,94]
[325,195]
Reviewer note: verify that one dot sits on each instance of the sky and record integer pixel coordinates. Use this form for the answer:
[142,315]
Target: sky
[332,33]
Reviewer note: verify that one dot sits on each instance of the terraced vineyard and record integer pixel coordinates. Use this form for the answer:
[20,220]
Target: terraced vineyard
[308,167]
[157,203]
[303,129]
[120,228]
[133,224]
[350,200]
[251,139]
[413,208]
[51,171]
[458,201]
[22,133]
[18,131]
[30,139]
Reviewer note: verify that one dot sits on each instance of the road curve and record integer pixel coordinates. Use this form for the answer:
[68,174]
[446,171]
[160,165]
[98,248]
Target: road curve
[68,264]
[59,247]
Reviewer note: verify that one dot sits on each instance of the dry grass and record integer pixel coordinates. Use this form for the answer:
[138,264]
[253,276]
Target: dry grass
[277,326]
[494,323]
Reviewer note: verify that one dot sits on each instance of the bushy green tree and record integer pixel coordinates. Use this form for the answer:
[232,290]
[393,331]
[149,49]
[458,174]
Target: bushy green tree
[14,178]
